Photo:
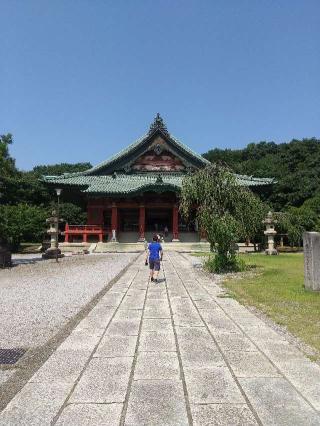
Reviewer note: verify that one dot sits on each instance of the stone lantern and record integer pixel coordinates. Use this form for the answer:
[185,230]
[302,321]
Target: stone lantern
[270,232]
[53,252]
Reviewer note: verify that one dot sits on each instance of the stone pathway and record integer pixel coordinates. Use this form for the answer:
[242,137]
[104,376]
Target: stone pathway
[172,353]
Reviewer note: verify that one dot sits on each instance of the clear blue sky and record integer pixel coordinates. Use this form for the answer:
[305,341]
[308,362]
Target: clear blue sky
[81,79]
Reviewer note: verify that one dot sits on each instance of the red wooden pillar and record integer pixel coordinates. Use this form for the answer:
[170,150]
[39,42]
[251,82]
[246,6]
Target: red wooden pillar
[84,236]
[203,236]
[175,223]
[114,220]
[101,223]
[142,219]
[66,233]
[89,216]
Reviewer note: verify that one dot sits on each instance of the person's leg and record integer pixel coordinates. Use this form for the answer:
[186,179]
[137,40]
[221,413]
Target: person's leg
[146,258]
[156,270]
[151,266]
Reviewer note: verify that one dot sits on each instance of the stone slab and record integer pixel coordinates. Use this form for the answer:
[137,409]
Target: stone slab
[305,376]
[212,385]
[262,334]
[206,304]
[157,312]
[111,299]
[222,414]
[64,366]
[81,340]
[90,415]
[245,320]
[157,341]
[128,314]
[159,294]
[136,292]
[35,405]
[156,303]
[280,351]
[116,346]
[157,365]
[156,324]
[251,364]
[124,327]
[97,320]
[197,348]
[234,342]
[132,302]
[277,402]
[157,402]
[217,321]
[105,380]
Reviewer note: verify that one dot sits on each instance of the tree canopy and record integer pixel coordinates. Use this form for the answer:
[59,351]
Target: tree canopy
[26,201]
[226,211]
[59,169]
[295,165]
[7,163]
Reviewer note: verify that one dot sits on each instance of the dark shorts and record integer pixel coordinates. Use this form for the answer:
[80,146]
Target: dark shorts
[154,264]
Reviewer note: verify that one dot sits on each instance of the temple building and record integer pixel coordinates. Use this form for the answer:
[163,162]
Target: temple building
[135,193]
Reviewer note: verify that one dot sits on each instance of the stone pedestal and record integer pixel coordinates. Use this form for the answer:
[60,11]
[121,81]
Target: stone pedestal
[270,232]
[53,252]
[311,248]
[114,236]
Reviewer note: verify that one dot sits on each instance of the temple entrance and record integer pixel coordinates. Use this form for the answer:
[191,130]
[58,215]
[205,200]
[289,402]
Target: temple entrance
[158,219]
[107,218]
[129,220]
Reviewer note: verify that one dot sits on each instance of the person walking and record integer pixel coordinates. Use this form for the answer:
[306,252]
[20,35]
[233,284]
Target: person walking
[155,256]
[146,249]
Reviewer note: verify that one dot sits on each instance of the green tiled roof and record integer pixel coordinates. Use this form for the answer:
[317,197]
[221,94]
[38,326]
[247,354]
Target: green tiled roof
[94,181]
[139,142]
[135,183]
[253,181]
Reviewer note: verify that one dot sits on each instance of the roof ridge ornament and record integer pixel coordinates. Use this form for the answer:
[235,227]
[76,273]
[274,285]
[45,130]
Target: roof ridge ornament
[159,179]
[158,124]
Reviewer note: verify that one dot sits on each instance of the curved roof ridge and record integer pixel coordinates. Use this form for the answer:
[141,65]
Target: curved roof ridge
[189,150]
[120,154]
[135,145]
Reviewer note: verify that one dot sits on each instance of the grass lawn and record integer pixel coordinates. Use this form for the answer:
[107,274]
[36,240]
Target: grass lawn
[275,286]
[200,254]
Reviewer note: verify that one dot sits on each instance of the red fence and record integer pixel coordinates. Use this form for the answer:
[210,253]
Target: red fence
[85,230]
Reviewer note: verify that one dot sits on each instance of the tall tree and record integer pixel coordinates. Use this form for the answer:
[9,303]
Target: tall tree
[7,163]
[227,211]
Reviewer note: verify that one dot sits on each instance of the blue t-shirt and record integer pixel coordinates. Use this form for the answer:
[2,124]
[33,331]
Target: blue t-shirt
[154,249]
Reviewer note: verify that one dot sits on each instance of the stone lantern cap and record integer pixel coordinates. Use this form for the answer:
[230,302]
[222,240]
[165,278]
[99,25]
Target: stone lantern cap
[269,219]
[54,218]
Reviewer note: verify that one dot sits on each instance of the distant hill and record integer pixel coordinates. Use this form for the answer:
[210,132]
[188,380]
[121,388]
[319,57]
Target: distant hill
[59,169]
[295,165]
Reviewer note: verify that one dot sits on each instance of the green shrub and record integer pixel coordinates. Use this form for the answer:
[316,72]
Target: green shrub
[22,223]
[218,263]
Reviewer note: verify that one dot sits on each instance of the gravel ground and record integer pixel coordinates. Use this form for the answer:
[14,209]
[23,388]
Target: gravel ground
[39,297]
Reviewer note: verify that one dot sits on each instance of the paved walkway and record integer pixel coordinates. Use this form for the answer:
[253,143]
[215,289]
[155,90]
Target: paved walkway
[174,353]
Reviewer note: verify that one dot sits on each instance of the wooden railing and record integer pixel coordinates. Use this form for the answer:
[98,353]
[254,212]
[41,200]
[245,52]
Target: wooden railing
[85,230]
